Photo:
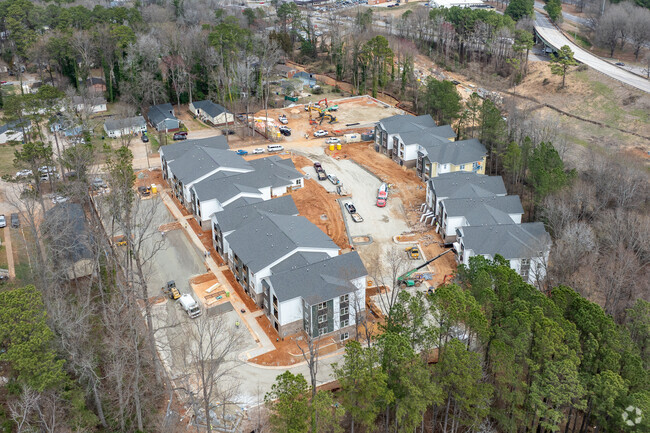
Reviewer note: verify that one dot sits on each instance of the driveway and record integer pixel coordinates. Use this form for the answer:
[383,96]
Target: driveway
[553,36]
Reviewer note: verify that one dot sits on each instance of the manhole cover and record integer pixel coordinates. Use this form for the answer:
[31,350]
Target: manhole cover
[323,217]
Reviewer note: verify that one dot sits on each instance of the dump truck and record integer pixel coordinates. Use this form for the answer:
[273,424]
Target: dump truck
[190,306]
[410,279]
[382,195]
[170,290]
[320,171]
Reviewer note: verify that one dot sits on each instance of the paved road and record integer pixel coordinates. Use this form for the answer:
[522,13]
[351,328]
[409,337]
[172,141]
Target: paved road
[566,16]
[553,36]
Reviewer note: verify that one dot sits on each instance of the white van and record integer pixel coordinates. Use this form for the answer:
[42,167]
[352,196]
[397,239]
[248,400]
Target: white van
[274,148]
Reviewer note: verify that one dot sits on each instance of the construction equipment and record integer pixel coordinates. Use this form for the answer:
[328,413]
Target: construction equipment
[170,290]
[324,116]
[413,253]
[406,279]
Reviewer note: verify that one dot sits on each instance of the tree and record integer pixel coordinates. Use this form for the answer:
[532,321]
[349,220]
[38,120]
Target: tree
[442,101]
[288,402]
[639,30]
[250,16]
[364,389]
[554,10]
[518,9]
[638,322]
[546,171]
[524,41]
[377,54]
[609,27]
[562,61]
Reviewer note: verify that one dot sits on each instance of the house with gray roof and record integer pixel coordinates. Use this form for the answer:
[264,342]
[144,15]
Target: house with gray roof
[387,128]
[197,163]
[407,144]
[268,178]
[482,211]
[175,150]
[324,297]
[267,240]
[91,104]
[436,158]
[525,246]
[460,184]
[211,112]
[162,118]
[240,213]
[13,131]
[115,127]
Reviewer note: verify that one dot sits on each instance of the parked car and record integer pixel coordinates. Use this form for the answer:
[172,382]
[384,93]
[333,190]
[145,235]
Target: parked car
[258,150]
[59,199]
[286,131]
[455,82]
[283,119]
[145,138]
[178,136]
[24,173]
[46,169]
[242,152]
[3,221]
[619,64]
[333,140]
[98,182]
[333,179]
[228,132]
[350,208]
[15,220]
[321,133]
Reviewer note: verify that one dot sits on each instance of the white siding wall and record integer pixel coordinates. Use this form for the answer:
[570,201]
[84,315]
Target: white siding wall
[516,217]
[289,311]
[453,223]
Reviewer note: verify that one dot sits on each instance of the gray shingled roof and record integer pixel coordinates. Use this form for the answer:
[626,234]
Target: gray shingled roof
[129,122]
[200,160]
[272,171]
[405,122]
[466,185]
[174,150]
[512,241]
[13,126]
[298,260]
[269,237]
[456,152]
[158,113]
[485,210]
[321,281]
[94,100]
[65,227]
[245,201]
[210,107]
[233,217]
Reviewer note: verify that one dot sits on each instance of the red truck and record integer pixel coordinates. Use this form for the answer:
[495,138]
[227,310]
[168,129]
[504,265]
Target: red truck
[382,195]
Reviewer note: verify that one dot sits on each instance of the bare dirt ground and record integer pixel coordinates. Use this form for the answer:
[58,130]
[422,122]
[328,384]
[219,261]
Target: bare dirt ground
[191,122]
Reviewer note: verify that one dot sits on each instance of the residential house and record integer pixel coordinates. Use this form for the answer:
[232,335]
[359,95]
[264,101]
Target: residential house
[461,185]
[96,85]
[91,104]
[199,163]
[406,145]
[306,78]
[176,150]
[214,113]
[525,246]
[240,213]
[162,118]
[320,298]
[450,156]
[116,128]
[270,177]
[285,71]
[268,240]
[13,131]
[482,211]
[69,240]
[387,128]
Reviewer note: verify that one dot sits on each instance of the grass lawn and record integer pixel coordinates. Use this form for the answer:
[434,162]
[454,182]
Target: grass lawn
[153,143]
[7,159]
[21,257]
[3,250]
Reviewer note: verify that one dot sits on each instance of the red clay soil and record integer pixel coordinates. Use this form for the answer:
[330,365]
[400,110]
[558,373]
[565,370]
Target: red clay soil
[250,304]
[150,177]
[169,226]
[321,209]
[199,279]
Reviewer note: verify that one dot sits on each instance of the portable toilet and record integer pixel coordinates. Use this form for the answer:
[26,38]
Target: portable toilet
[332,146]
[338,146]
[154,188]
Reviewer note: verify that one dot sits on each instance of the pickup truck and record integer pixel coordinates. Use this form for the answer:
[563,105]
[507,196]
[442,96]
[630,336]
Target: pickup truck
[333,179]
[382,195]
[320,171]
[353,212]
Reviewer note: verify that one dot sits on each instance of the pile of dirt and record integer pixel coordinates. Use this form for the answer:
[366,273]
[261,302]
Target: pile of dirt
[312,202]
[150,177]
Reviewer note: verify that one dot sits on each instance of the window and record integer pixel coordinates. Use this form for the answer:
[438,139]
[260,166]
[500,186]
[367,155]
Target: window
[344,311]
[345,336]
[344,298]
[475,166]
[322,331]
[322,319]
[298,181]
[462,167]
[322,306]
[344,323]
[525,268]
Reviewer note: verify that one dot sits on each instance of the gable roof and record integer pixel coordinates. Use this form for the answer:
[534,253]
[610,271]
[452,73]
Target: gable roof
[210,107]
[484,210]
[405,122]
[200,160]
[272,171]
[456,152]
[233,217]
[320,281]
[461,184]
[298,260]
[303,74]
[267,238]
[14,125]
[115,124]
[174,150]
[66,229]
[512,241]
[161,112]
[94,100]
